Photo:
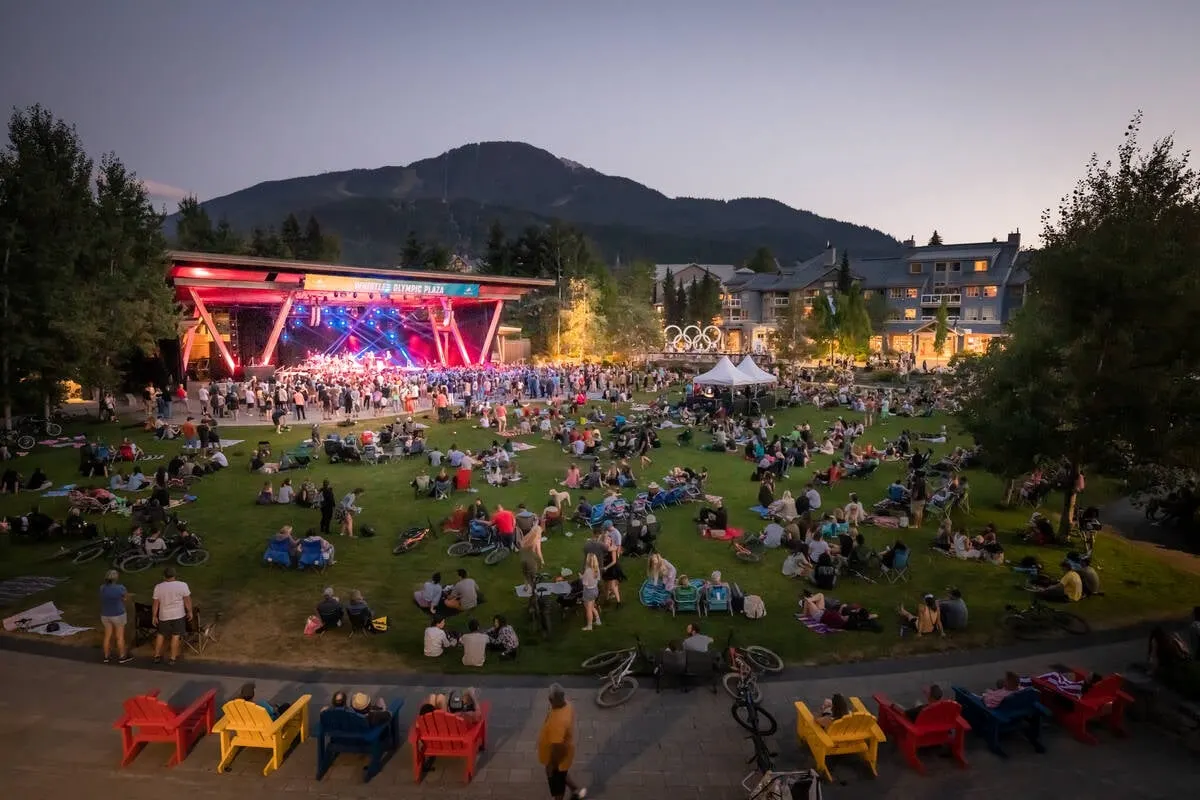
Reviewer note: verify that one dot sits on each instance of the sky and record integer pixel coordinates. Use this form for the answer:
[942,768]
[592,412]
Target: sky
[965,116]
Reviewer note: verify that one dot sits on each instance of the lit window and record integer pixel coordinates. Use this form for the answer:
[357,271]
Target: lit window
[896,294]
[914,269]
[867,293]
[912,294]
[989,291]
[972,291]
[981,265]
[910,313]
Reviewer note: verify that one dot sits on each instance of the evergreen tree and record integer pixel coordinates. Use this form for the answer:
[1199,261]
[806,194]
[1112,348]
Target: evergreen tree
[670,308]
[313,246]
[226,239]
[844,279]
[291,238]
[194,229]
[763,260]
[935,240]
[681,302]
[497,259]
[413,254]
[693,304]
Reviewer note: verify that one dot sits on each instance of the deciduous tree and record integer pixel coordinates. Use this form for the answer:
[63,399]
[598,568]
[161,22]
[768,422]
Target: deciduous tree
[941,328]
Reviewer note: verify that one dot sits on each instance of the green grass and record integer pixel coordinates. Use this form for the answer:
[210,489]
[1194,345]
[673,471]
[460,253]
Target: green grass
[263,610]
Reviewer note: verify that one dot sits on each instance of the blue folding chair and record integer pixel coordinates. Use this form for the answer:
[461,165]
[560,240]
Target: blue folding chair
[279,553]
[717,599]
[311,556]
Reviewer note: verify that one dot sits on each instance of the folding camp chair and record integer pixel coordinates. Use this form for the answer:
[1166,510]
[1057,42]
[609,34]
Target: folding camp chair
[898,572]
[200,634]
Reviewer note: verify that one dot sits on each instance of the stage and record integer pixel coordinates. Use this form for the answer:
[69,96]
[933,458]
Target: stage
[249,314]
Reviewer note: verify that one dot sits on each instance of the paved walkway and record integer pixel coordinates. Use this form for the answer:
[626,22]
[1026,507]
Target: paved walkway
[57,740]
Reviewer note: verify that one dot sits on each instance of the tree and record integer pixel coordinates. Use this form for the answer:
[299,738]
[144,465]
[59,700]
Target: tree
[708,300]
[1100,366]
[693,304]
[292,238]
[852,321]
[497,258]
[822,324]
[845,280]
[671,313]
[877,313]
[318,246]
[194,229]
[941,328]
[226,239]
[935,240]
[413,254]
[582,329]
[763,260]
[790,341]
[681,302]
[436,257]
[267,244]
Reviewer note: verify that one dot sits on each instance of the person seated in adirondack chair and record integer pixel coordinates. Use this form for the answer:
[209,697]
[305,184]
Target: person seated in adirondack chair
[929,695]
[247,693]
[833,709]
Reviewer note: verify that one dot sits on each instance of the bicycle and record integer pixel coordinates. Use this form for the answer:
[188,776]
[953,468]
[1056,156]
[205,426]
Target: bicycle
[39,426]
[186,551]
[1040,620]
[773,785]
[748,554]
[619,685]
[412,537]
[746,711]
[16,440]
[745,664]
[481,542]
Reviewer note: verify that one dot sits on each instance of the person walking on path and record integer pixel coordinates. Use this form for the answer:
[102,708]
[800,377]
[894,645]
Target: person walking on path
[556,746]
[171,613]
[113,617]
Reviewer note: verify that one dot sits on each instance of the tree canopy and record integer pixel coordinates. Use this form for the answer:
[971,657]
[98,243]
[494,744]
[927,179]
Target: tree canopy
[762,260]
[194,231]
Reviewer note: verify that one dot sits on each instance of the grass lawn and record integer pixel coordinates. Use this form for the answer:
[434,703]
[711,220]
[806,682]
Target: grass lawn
[263,610]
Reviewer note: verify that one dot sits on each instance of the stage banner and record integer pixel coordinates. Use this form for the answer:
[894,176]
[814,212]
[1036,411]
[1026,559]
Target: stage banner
[333,283]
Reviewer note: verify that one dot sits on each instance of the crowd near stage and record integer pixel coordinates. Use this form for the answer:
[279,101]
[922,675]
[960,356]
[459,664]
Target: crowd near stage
[247,315]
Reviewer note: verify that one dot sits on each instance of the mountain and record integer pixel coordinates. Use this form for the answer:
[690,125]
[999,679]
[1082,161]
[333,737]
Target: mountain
[455,197]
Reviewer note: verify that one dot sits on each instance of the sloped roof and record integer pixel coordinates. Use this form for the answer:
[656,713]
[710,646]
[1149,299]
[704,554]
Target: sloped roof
[724,374]
[722,272]
[756,372]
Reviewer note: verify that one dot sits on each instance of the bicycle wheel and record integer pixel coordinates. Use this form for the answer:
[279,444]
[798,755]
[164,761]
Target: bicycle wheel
[138,562]
[604,660]
[496,555]
[25,442]
[733,686]
[758,720]
[460,549]
[1024,628]
[1072,624]
[53,429]
[749,556]
[89,552]
[612,694]
[764,659]
[403,547]
[192,558]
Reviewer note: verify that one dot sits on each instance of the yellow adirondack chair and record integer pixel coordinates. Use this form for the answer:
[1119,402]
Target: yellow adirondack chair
[246,724]
[857,733]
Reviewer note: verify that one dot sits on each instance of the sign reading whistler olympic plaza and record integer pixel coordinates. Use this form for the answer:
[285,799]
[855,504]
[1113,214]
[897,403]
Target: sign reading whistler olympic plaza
[327,283]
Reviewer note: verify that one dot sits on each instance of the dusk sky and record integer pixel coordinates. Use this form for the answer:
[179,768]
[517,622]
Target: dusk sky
[906,115]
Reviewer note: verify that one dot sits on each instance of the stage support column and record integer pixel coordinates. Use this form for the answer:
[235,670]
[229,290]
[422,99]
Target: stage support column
[437,337]
[189,339]
[457,334]
[280,320]
[485,351]
[202,310]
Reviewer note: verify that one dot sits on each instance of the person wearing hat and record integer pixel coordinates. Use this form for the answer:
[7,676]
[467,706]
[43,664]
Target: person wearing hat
[652,490]
[713,521]
[376,712]
[927,619]
[113,616]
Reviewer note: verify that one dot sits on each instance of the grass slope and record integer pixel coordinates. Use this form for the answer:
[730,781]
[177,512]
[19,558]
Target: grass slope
[263,610]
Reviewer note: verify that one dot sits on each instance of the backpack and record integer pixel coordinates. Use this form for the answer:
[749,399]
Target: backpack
[737,599]
[754,607]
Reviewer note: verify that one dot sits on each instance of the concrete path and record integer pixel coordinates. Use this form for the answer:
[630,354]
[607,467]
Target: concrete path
[58,742]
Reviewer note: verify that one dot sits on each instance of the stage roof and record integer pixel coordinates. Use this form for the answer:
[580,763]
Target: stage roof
[233,279]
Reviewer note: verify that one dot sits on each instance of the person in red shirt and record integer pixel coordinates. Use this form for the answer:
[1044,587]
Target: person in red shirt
[506,524]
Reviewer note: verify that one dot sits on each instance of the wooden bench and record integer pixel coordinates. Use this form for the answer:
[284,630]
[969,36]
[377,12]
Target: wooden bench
[1020,710]
[440,733]
[343,730]
[857,733]
[149,719]
[1105,700]
[247,724]
[937,724]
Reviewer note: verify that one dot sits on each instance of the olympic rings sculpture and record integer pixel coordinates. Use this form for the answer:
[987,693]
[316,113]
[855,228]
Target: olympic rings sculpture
[692,339]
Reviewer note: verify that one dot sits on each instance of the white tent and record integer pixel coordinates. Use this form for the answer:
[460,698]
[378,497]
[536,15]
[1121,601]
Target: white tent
[724,374]
[756,372]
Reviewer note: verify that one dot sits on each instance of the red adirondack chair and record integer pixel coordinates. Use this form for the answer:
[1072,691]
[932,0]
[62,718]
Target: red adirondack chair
[1105,700]
[938,724]
[148,719]
[440,733]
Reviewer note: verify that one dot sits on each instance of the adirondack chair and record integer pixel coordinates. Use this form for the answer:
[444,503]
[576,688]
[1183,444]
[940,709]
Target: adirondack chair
[247,724]
[440,733]
[149,719]
[1105,700]
[937,724]
[342,730]
[1018,711]
[857,733]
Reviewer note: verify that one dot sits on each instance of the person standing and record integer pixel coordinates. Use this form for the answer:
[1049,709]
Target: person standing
[298,400]
[328,503]
[171,613]
[113,617]
[556,745]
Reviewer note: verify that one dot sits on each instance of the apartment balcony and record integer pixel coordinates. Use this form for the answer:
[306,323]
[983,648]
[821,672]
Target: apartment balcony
[949,298]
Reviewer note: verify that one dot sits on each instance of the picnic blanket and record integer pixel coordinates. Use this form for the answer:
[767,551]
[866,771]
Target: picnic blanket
[36,619]
[762,511]
[816,626]
[666,423]
[519,447]
[881,521]
[15,589]
[231,442]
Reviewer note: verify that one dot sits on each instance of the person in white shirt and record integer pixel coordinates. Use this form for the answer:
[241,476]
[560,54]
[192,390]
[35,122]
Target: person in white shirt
[817,547]
[170,613]
[813,497]
[475,645]
[854,511]
[349,509]
[219,461]
[286,494]
[437,640]
[203,394]
[429,596]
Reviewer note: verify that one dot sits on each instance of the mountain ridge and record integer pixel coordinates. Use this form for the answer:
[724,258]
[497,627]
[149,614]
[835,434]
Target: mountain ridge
[452,197]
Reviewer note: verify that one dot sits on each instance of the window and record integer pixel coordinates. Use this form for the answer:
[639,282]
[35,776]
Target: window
[987,313]
[896,294]
[781,299]
[981,265]
[972,291]
[956,266]
[912,294]
[915,268]
[972,313]
[939,266]
[868,294]
[910,313]
[829,284]
[989,291]
[893,313]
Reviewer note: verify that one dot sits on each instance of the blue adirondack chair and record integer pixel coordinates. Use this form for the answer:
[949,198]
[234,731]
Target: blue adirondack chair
[342,730]
[278,553]
[1020,711]
[311,556]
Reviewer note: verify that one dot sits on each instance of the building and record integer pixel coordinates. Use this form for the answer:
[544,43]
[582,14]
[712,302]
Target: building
[981,284]
[687,274]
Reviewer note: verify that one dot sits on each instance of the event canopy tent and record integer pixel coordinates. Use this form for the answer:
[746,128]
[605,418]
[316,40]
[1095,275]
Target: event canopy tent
[725,374]
[756,372]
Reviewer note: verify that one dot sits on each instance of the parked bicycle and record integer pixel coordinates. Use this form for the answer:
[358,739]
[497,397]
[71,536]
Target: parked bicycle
[15,440]
[412,537]
[185,550]
[745,665]
[619,685]
[39,426]
[481,540]
[1040,620]
[746,710]
[751,554]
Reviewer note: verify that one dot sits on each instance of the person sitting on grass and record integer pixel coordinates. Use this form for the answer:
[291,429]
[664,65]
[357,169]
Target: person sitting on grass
[812,605]
[287,495]
[962,549]
[503,637]
[1040,531]
[474,644]
[927,619]
[464,594]
[437,638]
[266,495]
[825,573]
[953,610]
[1068,589]
[850,617]
[429,596]
[247,693]
[1087,574]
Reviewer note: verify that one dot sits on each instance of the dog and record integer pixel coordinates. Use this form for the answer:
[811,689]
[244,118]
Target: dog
[560,498]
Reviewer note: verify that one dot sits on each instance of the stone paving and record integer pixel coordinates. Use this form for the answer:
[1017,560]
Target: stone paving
[58,742]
